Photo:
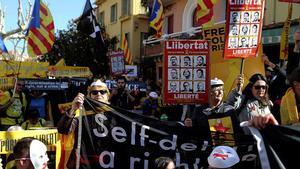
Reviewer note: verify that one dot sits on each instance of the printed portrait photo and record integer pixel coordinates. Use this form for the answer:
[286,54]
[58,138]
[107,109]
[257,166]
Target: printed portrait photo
[173,86]
[173,61]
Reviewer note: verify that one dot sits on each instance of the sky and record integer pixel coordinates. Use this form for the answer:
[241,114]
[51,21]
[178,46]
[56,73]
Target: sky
[62,11]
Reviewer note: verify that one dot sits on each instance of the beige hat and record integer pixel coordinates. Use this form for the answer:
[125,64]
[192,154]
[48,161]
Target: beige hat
[216,82]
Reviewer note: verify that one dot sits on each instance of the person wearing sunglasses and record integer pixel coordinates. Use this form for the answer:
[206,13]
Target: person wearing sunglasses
[253,100]
[69,122]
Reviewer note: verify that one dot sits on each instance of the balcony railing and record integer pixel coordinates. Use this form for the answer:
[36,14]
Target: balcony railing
[154,50]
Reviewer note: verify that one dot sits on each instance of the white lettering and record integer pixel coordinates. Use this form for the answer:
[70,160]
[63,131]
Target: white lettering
[143,135]
[111,156]
[172,143]
[119,131]
[188,147]
[100,118]
[186,45]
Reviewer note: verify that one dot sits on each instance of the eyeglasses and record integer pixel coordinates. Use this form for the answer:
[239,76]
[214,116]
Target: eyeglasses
[95,92]
[260,87]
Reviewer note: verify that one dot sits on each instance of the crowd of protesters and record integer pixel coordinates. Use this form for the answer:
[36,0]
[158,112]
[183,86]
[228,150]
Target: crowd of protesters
[273,98]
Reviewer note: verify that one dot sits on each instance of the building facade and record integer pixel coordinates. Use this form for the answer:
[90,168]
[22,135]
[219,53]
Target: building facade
[128,17]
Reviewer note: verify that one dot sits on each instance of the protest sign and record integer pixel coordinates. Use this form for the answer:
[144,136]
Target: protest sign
[117,64]
[186,71]
[243,28]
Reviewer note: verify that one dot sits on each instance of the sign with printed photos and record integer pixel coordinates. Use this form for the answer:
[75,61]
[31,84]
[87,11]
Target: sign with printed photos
[117,64]
[244,28]
[186,71]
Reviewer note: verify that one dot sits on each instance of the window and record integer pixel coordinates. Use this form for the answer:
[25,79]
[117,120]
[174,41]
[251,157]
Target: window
[101,18]
[169,25]
[144,36]
[195,22]
[127,38]
[125,7]
[113,13]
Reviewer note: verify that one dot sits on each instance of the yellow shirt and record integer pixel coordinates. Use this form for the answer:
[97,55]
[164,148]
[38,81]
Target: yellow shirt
[14,110]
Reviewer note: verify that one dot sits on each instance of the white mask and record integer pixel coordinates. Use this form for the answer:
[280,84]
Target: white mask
[38,154]
[223,157]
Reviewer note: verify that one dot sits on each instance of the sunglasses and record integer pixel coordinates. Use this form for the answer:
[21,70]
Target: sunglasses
[260,87]
[95,92]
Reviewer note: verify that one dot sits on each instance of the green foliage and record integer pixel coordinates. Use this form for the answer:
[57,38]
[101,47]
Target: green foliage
[79,49]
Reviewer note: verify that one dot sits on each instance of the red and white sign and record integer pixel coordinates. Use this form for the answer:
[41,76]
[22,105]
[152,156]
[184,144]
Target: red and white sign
[186,72]
[243,28]
[117,66]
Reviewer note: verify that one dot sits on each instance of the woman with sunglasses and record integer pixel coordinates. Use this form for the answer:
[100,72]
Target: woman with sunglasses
[253,100]
[69,122]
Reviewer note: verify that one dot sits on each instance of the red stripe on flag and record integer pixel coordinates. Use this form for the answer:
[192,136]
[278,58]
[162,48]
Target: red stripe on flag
[206,18]
[35,48]
[48,28]
[208,4]
[43,9]
[159,22]
[41,38]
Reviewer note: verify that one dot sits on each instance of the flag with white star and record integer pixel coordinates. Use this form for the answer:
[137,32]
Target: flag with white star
[88,24]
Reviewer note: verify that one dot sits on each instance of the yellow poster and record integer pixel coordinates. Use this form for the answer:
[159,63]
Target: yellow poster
[6,83]
[69,71]
[9,139]
[227,70]
[10,68]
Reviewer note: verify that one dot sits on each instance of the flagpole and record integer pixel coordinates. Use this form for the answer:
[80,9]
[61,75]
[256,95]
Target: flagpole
[241,72]
[79,137]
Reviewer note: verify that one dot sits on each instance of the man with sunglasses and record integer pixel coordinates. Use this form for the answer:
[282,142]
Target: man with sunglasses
[121,97]
[12,107]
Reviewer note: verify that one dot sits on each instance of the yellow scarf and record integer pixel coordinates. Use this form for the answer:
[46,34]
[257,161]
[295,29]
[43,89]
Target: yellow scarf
[288,108]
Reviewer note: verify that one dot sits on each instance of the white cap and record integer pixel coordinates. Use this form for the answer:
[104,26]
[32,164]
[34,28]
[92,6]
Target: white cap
[98,83]
[215,81]
[153,95]
[223,157]
[15,128]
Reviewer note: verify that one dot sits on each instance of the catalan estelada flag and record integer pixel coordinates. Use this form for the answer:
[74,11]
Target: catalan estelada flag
[40,33]
[3,48]
[284,39]
[125,48]
[205,12]
[156,19]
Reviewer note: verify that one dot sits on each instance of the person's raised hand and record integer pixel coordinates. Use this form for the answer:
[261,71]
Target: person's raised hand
[261,121]
[78,101]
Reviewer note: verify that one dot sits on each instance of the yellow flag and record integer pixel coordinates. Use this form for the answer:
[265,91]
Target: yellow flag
[284,41]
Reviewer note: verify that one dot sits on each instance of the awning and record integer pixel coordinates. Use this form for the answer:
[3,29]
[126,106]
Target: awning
[272,36]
